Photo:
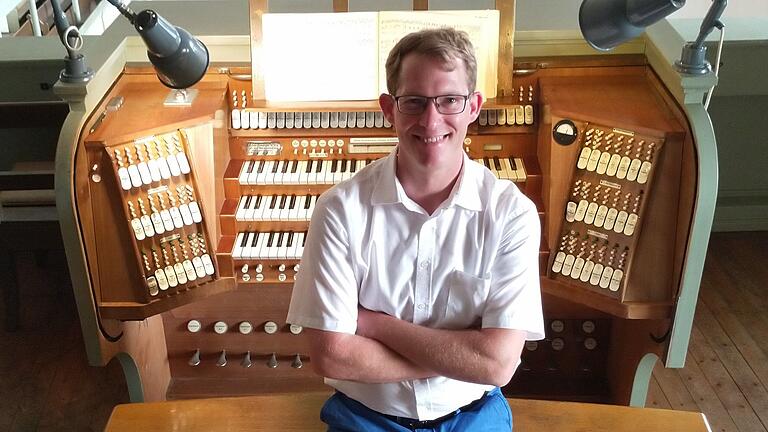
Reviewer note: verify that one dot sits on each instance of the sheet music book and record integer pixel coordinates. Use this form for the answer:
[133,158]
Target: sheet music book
[341,56]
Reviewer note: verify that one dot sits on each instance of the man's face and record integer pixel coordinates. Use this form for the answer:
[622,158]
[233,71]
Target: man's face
[431,140]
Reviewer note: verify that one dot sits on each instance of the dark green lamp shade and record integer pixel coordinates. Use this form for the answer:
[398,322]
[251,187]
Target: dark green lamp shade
[608,23]
[179,59]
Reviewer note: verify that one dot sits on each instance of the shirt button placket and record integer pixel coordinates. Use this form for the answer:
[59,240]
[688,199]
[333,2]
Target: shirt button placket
[423,287]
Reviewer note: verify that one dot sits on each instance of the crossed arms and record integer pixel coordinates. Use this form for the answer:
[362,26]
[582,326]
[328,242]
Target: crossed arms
[388,349]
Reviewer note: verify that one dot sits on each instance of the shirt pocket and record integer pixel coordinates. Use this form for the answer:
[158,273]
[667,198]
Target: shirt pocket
[467,295]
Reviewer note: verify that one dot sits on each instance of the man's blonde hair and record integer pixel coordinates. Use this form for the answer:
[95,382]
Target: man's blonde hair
[445,43]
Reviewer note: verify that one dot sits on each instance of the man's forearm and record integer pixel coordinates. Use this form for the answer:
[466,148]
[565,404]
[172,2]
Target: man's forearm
[357,358]
[487,356]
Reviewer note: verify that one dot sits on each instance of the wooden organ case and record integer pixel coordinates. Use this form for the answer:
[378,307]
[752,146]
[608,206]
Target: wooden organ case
[189,268]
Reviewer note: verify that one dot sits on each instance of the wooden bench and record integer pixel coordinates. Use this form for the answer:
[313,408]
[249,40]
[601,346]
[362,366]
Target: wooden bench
[300,412]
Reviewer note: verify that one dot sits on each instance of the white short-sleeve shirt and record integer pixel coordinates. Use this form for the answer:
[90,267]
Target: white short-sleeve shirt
[473,263]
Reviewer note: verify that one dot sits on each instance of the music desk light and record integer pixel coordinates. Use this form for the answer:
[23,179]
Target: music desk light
[608,23]
[179,59]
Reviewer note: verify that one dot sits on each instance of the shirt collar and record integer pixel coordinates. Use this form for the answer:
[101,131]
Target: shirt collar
[464,194]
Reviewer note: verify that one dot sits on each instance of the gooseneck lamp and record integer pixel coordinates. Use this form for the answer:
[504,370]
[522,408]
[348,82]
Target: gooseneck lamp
[179,59]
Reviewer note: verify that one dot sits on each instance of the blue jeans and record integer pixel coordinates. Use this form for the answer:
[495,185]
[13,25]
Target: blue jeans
[490,414]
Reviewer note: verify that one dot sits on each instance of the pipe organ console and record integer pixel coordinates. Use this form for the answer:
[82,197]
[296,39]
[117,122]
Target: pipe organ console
[191,222]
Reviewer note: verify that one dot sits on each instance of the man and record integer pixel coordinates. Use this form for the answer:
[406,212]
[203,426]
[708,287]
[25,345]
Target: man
[419,282]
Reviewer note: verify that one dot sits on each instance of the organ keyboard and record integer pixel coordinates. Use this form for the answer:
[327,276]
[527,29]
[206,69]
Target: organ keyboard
[275,207]
[269,245]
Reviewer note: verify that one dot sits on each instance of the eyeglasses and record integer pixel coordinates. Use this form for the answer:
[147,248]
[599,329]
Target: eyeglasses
[445,104]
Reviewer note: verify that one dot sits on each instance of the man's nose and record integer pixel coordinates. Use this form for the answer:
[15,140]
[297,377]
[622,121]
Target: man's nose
[430,116]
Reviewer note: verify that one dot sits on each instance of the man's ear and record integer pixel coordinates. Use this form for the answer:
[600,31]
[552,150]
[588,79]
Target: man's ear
[387,104]
[475,102]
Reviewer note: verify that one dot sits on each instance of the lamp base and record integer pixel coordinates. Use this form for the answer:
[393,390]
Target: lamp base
[181,97]
[692,61]
[75,70]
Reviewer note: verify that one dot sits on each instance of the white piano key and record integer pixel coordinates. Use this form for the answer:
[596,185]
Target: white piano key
[379,119]
[334,120]
[300,244]
[247,243]
[268,175]
[254,119]
[306,119]
[237,250]
[235,118]
[271,120]
[259,248]
[315,119]
[289,120]
[342,119]
[327,172]
[482,119]
[262,120]
[325,119]
[360,119]
[278,174]
[280,120]
[285,209]
[509,173]
[292,175]
[293,210]
[251,206]
[520,170]
[243,177]
[370,119]
[282,251]
[241,207]
[338,173]
[245,119]
[501,117]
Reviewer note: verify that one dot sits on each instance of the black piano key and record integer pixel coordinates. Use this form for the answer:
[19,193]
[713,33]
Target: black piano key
[275,166]
[261,166]
[307,201]
[497,163]
[244,240]
[353,164]
[309,166]
[271,239]
[258,201]
[255,239]
[319,166]
[292,204]
[295,166]
[512,162]
[285,166]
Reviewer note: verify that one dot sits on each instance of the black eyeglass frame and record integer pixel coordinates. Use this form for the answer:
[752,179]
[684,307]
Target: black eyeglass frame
[432,99]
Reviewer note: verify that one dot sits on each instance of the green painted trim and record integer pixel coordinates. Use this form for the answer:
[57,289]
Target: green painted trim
[701,226]
[639,393]
[82,100]
[132,377]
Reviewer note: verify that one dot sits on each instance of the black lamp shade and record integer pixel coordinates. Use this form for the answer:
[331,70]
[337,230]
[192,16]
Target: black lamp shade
[608,23]
[179,59]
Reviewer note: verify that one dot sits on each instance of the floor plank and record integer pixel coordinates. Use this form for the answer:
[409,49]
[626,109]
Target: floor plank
[727,354]
[734,401]
[705,397]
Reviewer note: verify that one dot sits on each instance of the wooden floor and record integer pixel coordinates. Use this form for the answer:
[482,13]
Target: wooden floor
[46,384]
[726,372]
